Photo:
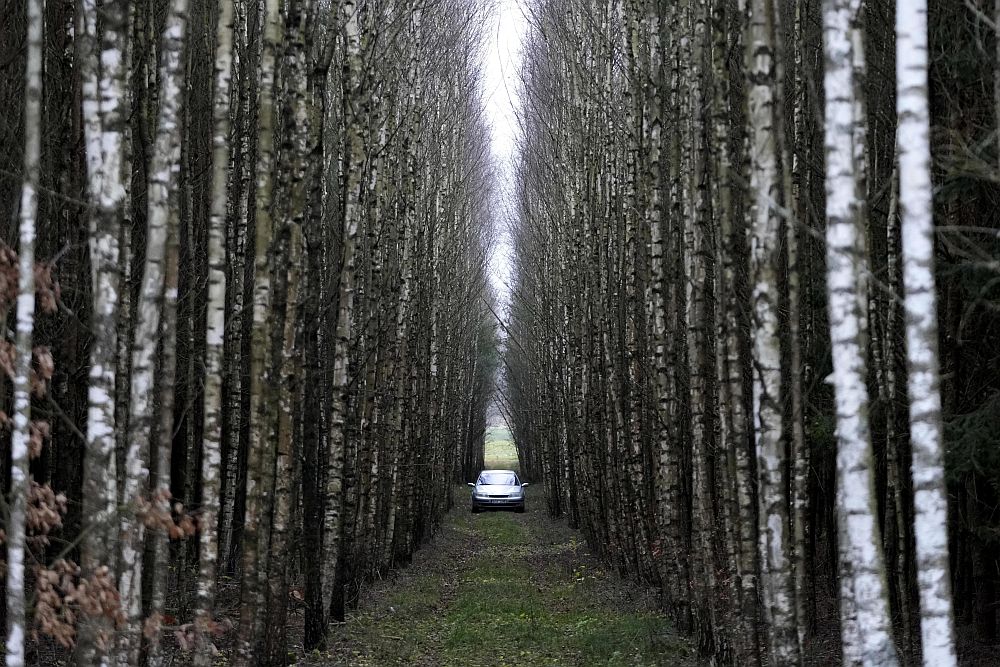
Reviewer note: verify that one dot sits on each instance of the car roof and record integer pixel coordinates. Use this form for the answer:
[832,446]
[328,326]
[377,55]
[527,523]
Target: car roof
[485,471]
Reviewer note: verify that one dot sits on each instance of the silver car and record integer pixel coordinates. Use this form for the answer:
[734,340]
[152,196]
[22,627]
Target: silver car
[498,489]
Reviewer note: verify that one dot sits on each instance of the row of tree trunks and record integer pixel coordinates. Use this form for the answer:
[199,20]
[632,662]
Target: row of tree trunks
[283,335]
[703,321]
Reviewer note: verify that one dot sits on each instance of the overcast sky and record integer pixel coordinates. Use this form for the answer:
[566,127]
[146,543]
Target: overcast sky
[502,66]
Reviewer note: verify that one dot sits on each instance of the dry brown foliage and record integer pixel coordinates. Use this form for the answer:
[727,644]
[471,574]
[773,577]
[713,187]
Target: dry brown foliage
[64,596]
[47,290]
[158,514]
[45,512]
[42,369]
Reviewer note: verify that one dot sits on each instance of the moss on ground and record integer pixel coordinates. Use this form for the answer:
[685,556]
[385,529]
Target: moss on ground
[505,589]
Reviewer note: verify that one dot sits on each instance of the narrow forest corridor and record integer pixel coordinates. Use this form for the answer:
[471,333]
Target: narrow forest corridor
[502,589]
[277,275]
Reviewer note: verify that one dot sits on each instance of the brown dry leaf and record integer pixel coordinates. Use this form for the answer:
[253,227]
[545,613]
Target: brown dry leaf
[151,627]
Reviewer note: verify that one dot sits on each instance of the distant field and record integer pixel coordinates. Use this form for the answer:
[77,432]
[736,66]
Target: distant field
[500,451]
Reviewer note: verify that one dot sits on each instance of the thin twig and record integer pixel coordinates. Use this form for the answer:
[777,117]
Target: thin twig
[980,15]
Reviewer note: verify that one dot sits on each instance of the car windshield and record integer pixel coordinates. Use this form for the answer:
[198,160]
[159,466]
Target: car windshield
[498,479]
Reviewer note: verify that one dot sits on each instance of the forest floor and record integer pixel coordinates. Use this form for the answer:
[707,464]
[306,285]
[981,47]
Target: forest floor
[501,588]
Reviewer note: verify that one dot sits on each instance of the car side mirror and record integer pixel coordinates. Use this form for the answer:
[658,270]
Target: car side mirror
[524,484]
[471,484]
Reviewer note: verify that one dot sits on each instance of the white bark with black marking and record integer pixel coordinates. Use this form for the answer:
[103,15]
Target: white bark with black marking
[930,500]
[866,630]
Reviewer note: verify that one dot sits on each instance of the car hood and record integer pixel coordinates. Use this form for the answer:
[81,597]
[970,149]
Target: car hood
[496,489]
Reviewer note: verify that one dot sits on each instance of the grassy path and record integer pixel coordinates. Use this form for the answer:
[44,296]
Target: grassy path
[499,589]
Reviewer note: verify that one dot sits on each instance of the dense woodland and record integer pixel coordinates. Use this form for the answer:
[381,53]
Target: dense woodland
[260,347]
[751,347]
[727,356]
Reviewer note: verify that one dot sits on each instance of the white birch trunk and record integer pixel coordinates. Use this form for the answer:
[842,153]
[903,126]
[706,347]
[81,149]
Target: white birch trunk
[930,501]
[163,171]
[407,281]
[103,74]
[354,162]
[765,249]
[865,626]
[163,435]
[260,338]
[215,330]
[19,475]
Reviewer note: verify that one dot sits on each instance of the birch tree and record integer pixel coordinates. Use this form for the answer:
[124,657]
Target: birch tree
[161,444]
[214,336]
[297,118]
[103,84]
[920,304]
[865,628]
[25,318]
[260,432]
[354,158]
[767,398]
[245,61]
[160,192]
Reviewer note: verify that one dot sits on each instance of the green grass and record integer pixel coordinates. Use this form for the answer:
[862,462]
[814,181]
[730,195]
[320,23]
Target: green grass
[422,593]
[500,530]
[509,613]
[500,452]
[506,589]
